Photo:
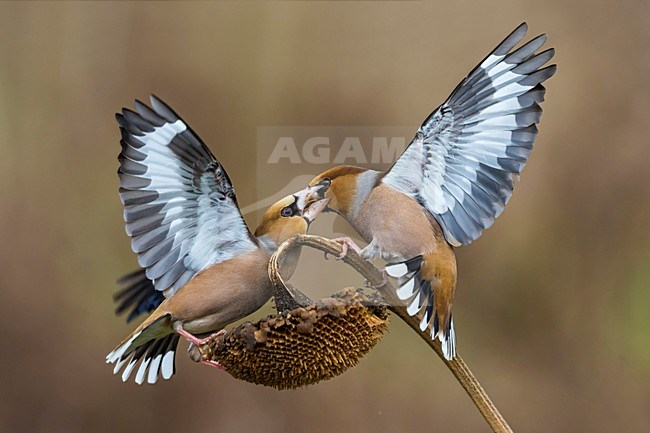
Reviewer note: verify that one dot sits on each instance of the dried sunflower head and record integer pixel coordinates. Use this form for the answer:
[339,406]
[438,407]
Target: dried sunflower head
[301,346]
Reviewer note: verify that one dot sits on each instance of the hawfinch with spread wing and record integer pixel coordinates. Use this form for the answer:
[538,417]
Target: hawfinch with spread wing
[191,240]
[450,183]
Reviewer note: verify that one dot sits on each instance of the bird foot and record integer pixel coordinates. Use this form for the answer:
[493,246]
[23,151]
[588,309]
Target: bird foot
[199,351]
[346,244]
[384,278]
[198,342]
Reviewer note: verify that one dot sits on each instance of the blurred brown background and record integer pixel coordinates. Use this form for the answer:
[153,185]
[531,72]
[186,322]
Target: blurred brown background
[553,302]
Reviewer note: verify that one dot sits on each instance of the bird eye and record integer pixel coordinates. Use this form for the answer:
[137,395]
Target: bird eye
[325,182]
[286,211]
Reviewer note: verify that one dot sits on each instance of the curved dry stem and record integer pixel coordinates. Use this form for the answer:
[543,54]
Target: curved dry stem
[374,277]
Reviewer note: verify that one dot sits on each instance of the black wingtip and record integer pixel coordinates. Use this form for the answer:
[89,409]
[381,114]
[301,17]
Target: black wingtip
[549,71]
[511,40]
[539,40]
[539,76]
[155,100]
[162,109]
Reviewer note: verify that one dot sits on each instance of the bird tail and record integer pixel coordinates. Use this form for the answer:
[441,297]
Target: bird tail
[418,286]
[153,343]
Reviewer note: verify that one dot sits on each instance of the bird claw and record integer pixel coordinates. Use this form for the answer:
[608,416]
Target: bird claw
[198,342]
[346,244]
[199,345]
[217,334]
[213,364]
[384,277]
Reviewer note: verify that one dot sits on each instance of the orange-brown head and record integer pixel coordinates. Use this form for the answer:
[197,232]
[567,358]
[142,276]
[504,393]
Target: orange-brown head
[341,185]
[290,216]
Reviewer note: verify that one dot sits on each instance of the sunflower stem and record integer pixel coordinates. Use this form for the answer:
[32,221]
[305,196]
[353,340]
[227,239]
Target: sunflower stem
[457,366]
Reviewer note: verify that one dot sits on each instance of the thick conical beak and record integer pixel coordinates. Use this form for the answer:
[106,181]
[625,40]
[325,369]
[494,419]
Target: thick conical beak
[306,196]
[314,209]
[315,192]
[310,202]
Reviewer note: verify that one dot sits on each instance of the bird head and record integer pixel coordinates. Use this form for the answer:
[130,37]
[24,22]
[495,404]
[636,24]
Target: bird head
[291,216]
[340,185]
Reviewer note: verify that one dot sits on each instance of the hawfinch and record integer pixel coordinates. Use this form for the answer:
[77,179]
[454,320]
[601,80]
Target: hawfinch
[450,183]
[196,250]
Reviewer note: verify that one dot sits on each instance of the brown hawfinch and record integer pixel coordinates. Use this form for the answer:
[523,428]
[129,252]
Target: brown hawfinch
[191,240]
[450,183]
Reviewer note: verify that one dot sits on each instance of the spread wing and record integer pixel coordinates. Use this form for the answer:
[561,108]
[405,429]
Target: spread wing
[461,163]
[179,205]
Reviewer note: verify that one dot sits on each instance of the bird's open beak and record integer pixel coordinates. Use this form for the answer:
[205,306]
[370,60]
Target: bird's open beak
[314,209]
[316,192]
[310,202]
